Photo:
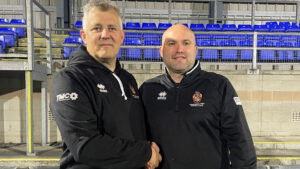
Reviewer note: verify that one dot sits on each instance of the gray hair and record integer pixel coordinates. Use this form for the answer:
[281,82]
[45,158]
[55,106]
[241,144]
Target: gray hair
[103,5]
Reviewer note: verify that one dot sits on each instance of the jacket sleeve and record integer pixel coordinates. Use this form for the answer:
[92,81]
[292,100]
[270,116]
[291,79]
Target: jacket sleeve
[75,116]
[235,131]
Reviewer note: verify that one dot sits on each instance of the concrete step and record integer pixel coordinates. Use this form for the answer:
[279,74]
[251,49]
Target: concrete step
[38,51]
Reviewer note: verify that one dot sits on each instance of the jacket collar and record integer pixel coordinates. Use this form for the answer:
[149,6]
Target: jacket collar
[187,77]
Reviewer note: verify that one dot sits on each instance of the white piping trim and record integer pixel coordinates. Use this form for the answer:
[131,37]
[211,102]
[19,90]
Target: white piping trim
[121,86]
[193,68]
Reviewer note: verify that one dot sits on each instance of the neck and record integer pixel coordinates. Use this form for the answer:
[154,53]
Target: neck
[175,76]
[109,63]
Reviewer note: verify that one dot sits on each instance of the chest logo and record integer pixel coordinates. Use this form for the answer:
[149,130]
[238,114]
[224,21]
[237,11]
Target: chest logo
[197,98]
[134,94]
[102,88]
[162,95]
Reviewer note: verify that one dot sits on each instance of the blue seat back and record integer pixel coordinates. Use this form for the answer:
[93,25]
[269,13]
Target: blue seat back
[213,27]
[74,33]
[227,43]
[260,28]
[133,26]
[229,27]
[132,35]
[155,42]
[149,26]
[4,21]
[197,27]
[78,24]
[73,40]
[151,35]
[132,41]
[164,26]
[247,28]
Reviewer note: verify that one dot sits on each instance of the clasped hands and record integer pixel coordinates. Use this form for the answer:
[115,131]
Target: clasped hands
[155,157]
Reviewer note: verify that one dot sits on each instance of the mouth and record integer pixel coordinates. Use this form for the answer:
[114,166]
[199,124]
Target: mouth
[105,45]
[179,57]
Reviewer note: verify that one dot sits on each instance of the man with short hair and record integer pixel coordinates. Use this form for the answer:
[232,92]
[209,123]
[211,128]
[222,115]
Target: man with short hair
[96,103]
[194,116]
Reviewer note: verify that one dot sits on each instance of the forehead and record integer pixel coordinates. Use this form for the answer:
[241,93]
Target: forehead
[96,16]
[179,35]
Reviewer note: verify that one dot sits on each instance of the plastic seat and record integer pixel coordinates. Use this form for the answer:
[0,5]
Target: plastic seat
[246,54]
[267,55]
[74,33]
[132,53]
[228,53]
[71,44]
[276,28]
[213,27]
[219,38]
[260,28]
[260,43]
[132,35]
[210,54]
[151,35]
[229,27]
[9,36]
[269,24]
[286,55]
[149,26]
[284,24]
[245,28]
[78,25]
[206,42]
[4,21]
[152,53]
[133,26]
[197,27]
[164,26]
[238,38]
[292,28]
[202,36]
[20,31]
[272,37]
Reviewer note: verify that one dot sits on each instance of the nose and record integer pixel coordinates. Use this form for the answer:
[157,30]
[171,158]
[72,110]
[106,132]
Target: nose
[180,48]
[105,34]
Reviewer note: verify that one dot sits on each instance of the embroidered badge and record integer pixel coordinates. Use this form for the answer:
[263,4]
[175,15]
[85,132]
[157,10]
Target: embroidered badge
[66,96]
[237,100]
[134,94]
[197,98]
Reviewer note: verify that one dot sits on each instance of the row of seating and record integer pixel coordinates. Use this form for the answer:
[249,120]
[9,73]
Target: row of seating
[9,35]
[206,54]
[267,27]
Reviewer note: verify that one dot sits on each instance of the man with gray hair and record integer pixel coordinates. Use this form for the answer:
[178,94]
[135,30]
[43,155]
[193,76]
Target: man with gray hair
[96,103]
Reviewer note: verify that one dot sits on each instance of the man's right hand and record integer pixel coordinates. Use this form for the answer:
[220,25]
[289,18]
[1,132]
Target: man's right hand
[155,157]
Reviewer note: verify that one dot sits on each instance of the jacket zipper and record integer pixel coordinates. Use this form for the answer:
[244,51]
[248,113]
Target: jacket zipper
[121,86]
[177,97]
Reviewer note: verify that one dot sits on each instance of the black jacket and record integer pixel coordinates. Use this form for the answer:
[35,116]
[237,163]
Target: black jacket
[100,116]
[198,123]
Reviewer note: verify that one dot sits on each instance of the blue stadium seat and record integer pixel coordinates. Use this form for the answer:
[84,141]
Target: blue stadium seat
[20,31]
[238,38]
[272,43]
[151,36]
[78,25]
[210,54]
[260,43]
[245,28]
[246,54]
[229,27]
[9,36]
[276,28]
[272,37]
[267,55]
[269,24]
[164,26]
[286,55]
[2,42]
[149,26]
[151,53]
[213,27]
[228,53]
[206,42]
[197,27]
[292,28]
[284,24]
[132,35]
[74,33]
[119,55]
[132,53]
[74,42]
[4,21]
[219,38]
[133,26]
[202,36]
[260,28]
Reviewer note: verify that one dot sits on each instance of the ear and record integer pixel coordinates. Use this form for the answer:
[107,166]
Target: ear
[122,36]
[161,51]
[83,36]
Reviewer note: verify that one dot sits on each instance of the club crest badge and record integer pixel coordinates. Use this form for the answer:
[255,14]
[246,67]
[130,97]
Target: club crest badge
[197,98]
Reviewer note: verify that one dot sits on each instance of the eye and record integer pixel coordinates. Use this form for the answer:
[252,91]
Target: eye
[186,43]
[96,29]
[171,43]
[112,29]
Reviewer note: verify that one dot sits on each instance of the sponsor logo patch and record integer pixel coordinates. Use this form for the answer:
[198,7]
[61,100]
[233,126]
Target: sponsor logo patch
[66,96]
[134,94]
[162,95]
[237,100]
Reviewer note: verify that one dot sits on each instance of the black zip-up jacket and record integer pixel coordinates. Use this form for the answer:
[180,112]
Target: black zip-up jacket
[198,123]
[100,116]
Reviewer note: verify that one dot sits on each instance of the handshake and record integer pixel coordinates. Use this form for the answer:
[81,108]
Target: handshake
[155,157]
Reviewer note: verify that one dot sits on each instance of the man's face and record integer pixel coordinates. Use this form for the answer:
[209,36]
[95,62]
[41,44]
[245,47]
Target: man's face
[103,35]
[178,49]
